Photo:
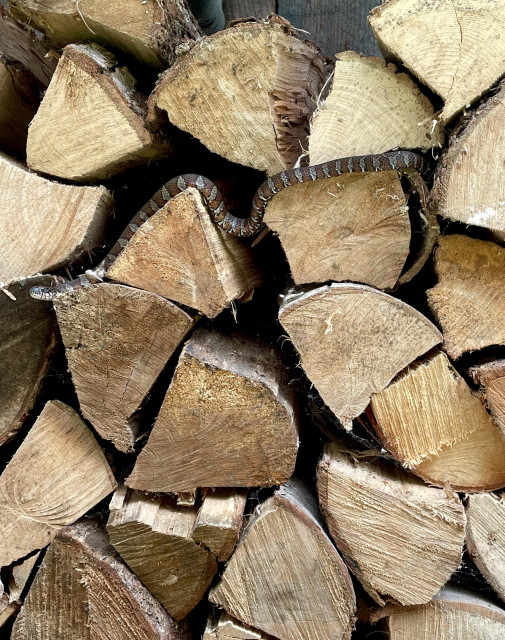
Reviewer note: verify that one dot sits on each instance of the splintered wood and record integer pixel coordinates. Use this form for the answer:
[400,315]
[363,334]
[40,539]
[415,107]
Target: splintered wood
[491,377]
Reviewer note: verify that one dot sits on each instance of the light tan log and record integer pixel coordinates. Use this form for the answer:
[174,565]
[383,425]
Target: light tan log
[491,377]
[401,538]
[83,590]
[45,224]
[485,537]
[149,30]
[371,108]
[90,124]
[19,99]
[117,341]
[453,614]
[241,431]
[227,628]
[219,521]
[154,537]
[246,92]
[468,301]
[340,332]
[56,475]
[28,331]
[285,577]
[182,255]
[442,44]
[430,420]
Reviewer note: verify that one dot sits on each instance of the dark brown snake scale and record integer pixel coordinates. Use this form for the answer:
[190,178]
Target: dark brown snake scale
[241,227]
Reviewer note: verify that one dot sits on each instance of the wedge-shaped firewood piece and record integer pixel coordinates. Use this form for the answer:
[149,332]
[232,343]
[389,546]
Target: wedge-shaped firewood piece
[371,108]
[45,224]
[153,536]
[181,254]
[468,300]
[149,30]
[241,429]
[28,331]
[453,613]
[340,332]
[491,376]
[58,473]
[219,521]
[112,328]
[21,574]
[285,577]
[401,539]
[90,124]
[227,628]
[246,92]
[485,537]
[84,591]
[441,43]
[430,420]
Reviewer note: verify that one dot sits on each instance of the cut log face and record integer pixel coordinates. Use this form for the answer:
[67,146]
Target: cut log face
[401,539]
[28,338]
[45,224]
[111,328]
[154,538]
[56,475]
[340,332]
[285,577]
[182,255]
[492,378]
[441,43]
[430,420]
[83,590]
[453,613]
[246,92]
[241,430]
[371,108]
[90,124]
[468,300]
[485,537]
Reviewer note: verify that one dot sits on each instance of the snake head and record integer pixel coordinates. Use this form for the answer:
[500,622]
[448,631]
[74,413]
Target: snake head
[42,293]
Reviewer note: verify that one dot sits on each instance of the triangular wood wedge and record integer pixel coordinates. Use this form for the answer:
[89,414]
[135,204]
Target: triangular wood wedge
[430,420]
[82,590]
[58,473]
[285,577]
[491,377]
[180,254]
[401,539]
[441,43]
[112,328]
[353,340]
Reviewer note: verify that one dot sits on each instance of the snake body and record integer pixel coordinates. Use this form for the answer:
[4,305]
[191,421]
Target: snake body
[242,227]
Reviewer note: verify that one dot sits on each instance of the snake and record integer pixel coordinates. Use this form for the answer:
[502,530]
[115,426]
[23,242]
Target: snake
[240,227]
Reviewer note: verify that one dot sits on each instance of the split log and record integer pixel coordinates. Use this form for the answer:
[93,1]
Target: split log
[402,539]
[153,536]
[83,590]
[430,420]
[219,521]
[90,124]
[19,99]
[28,340]
[441,44]
[469,184]
[468,300]
[371,108]
[56,475]
[148,31]
[20,576]
[180,254]
[227,628]
[485,537]
[491,376]
[46,224]
[453,613]
[285,577]
[247,93]
[242,428]
[340,331]
[117,341]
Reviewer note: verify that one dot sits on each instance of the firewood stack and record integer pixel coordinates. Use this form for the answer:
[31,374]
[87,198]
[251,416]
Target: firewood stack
[298,438]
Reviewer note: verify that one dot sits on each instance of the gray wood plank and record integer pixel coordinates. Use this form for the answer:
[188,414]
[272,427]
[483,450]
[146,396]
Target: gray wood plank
[234,9]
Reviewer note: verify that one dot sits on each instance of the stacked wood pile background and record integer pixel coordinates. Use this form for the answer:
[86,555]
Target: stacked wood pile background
[300,439]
